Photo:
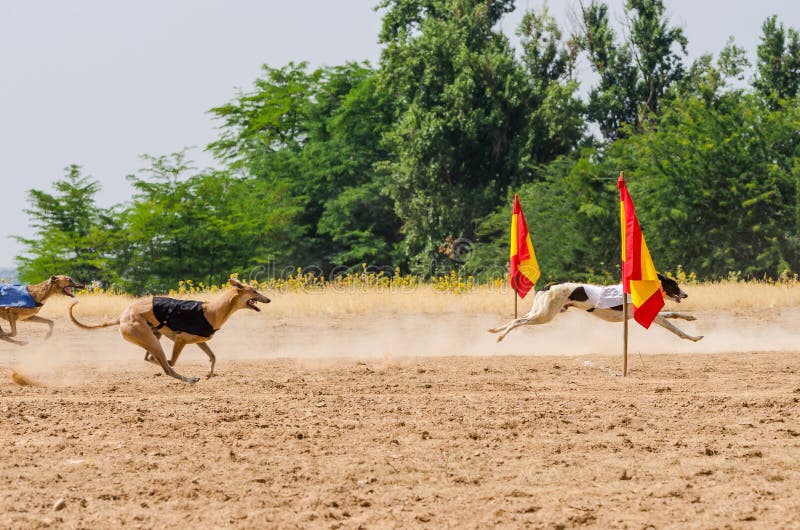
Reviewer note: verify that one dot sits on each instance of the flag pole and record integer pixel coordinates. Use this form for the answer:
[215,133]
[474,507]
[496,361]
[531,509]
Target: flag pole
[625,334]
[624,315]
[514,292]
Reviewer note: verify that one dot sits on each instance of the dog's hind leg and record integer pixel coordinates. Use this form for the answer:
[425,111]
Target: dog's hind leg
[205,347]
[674,314]
[147,356]
[545,308]
[664,323]
[41,320]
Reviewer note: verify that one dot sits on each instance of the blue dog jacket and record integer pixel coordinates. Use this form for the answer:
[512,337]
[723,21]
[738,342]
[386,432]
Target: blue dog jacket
[16,296]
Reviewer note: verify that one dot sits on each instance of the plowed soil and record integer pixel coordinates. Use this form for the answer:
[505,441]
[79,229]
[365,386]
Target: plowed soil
[370,424]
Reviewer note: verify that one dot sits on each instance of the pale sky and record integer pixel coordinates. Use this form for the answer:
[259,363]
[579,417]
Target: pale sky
[98,82]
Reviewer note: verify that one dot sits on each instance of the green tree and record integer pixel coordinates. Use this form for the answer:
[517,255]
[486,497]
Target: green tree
[318,133]
[72,234]
[778,65]
[553,116]
[456,82]
[714,177]
[718,184]
[362,225]
[635,74]
[202,226]
[471,120]
[711,81]
[572,219]
[350,115]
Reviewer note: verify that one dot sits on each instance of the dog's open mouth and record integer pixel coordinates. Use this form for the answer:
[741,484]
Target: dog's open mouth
[68,291]
[252,304]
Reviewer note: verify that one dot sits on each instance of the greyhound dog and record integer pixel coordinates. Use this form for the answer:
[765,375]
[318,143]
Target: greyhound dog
[554,299]
[39,293]
[182,321]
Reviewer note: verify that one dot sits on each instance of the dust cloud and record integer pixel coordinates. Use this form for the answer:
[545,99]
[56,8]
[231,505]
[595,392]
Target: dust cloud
[252,336]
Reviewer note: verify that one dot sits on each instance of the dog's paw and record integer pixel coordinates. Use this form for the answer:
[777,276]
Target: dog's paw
[192,380]
[209,375]
[695,339]
[690,318]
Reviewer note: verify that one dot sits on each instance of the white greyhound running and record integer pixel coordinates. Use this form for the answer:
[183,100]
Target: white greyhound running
[601,301]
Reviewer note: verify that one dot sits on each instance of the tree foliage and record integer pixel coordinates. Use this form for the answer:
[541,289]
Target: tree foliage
[201,226]
[395,165]
[472,120]
[72,234]
[317,133]
[778,62]
[635,73]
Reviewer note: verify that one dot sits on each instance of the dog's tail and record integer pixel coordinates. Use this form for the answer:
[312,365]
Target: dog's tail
[87,326]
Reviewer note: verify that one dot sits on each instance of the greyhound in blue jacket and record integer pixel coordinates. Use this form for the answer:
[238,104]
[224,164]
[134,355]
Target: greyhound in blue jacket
[27,300]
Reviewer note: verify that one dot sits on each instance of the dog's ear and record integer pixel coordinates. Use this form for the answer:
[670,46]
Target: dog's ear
[52,278]
[236,283]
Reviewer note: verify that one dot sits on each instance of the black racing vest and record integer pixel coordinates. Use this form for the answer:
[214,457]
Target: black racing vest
[181,315]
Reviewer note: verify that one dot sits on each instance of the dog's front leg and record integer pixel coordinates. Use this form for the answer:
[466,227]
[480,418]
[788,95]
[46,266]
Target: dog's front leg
[12,319]
[511,326]
[206,348]
[664,323]
[5,337]
[176,351]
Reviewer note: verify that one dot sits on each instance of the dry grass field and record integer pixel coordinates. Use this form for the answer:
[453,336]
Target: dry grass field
[398,409]
[355,300]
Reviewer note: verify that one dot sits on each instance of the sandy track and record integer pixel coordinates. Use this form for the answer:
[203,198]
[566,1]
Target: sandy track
[398,436]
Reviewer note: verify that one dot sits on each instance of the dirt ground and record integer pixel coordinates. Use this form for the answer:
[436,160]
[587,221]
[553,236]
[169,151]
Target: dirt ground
[413,421]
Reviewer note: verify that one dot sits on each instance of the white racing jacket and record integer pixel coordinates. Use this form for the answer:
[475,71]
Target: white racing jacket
[604,296]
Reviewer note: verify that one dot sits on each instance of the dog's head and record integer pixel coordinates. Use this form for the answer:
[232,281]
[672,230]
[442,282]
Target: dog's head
[671,289]
[63,284]
[247,296]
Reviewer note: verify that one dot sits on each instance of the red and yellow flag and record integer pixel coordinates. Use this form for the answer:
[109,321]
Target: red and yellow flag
[639,277]
[524,267]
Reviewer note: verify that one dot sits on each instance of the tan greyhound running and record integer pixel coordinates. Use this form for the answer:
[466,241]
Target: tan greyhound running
[39,292]
[182,321]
